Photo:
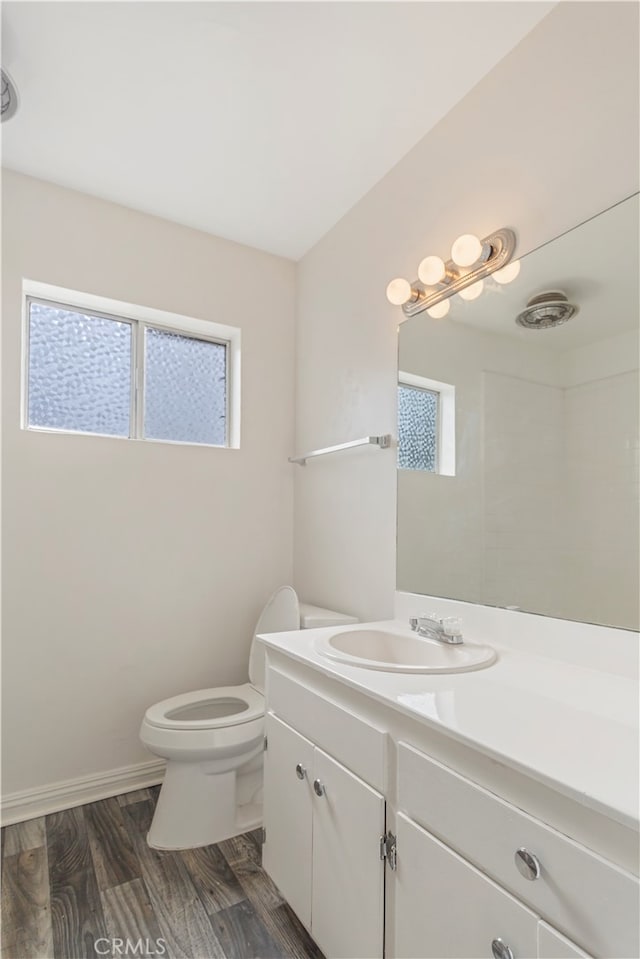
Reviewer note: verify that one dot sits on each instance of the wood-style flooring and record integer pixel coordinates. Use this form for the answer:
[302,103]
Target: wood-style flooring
[83,883]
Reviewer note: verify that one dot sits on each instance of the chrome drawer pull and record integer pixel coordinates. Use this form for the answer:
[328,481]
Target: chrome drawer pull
[527,863]
[301,772]
[501,950]
[318,788]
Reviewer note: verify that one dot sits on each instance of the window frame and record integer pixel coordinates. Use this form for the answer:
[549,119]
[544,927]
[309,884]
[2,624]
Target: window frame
[140,319]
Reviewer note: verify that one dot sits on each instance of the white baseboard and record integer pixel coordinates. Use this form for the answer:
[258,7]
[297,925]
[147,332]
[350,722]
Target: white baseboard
[42,800]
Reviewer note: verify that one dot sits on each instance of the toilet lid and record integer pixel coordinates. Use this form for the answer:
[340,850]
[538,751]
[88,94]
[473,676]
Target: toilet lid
[281,613]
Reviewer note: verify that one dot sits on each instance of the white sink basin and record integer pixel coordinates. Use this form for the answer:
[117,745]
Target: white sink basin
[395,653]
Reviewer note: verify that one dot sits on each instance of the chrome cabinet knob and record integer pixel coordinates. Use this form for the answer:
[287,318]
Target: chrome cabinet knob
[528,864]
[318,788]
[501,950]
[301,772]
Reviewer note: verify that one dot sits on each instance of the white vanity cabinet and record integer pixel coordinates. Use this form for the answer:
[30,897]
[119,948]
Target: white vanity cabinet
[476,874]
[447,909]
[321,848]
[588,898]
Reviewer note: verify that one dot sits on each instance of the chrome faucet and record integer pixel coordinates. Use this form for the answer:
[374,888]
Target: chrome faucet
[444,630]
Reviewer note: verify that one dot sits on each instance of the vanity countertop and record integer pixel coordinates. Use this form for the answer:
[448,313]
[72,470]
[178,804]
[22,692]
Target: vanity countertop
[571,727]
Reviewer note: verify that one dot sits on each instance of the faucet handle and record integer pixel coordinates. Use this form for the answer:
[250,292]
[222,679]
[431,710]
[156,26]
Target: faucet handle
[413,622]
[452,626]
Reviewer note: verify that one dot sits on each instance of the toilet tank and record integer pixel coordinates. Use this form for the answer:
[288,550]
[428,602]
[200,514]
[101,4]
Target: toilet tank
[283,613]
[315,617]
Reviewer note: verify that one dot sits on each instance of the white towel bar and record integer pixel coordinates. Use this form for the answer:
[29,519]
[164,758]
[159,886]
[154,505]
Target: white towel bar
[383,442]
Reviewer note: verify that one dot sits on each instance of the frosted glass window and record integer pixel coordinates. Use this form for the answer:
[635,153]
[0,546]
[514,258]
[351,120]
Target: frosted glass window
[103,372]
[417,429]
[185,388]
[79,371]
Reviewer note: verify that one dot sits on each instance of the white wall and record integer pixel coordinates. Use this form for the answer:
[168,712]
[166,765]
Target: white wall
[545,140]
[134,571]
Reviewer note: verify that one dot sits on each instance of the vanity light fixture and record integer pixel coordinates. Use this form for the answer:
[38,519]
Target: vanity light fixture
[432,270]
[399,291]
[472,259]
[468,249]
[472,292]
[507,273]
[439,310]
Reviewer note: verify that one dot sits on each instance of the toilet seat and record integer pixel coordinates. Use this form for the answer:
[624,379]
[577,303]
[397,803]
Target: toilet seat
[214,708]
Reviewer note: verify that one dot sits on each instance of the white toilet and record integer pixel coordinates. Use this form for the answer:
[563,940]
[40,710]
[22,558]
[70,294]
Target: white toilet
[213,741]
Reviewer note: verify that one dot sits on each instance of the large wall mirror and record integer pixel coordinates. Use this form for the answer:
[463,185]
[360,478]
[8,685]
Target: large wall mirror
[518,448]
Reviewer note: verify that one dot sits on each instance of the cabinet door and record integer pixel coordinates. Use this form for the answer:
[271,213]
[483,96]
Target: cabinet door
[551,945]
[286,854]
[348,874]
[448,909]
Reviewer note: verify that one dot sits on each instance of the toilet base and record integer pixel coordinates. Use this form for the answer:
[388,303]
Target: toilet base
[198,808]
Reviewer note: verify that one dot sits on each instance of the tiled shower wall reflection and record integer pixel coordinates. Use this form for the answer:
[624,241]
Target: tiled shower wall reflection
[602,466]
[524,500]
[561,497]
[543,510]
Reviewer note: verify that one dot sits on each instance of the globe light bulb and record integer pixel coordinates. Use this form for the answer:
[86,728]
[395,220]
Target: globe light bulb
[472,292]
[399,291]
[439,310]
[431,270]
[466,250]
[507,273]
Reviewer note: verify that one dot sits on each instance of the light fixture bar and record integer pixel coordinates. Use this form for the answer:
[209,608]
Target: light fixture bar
[502,244]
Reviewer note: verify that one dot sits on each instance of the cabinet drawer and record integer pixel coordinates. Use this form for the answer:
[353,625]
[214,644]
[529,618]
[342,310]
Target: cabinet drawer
[551,945]
[357,743]
[589,899]
[447,909]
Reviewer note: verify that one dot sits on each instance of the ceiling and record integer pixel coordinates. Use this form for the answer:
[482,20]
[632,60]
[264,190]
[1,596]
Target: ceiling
[260,122]
[595,265]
